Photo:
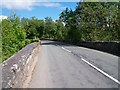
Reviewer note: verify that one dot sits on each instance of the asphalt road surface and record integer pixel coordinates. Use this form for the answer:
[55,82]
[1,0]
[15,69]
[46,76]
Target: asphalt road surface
[66,66]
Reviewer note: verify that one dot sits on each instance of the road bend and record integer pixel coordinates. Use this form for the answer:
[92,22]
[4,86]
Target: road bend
[62,65]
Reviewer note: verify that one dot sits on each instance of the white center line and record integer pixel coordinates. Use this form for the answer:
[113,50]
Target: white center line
[104,73]
[101,71]
[66,49]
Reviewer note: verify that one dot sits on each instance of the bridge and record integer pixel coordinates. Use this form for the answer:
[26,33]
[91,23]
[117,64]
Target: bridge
[54,64]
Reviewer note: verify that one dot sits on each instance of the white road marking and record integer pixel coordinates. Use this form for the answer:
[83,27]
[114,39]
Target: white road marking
[66,49]
[101,71]
[104,73]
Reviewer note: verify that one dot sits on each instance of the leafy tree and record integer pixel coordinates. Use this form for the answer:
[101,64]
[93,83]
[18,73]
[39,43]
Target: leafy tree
[61,31]
[13,36]
[0,42]
[34,27]
[69,18]
[50,28]
[92,21]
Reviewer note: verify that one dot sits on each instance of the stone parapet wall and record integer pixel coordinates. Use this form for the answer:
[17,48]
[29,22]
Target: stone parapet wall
[17,68]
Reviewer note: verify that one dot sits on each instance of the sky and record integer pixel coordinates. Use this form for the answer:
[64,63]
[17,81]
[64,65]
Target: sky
[29,8]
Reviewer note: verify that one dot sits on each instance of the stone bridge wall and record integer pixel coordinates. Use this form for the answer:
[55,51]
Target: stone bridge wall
[105,46]
[18,67]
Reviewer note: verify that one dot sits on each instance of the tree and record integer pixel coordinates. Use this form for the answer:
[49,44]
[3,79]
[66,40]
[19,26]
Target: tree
[92,21]
[69,18]
[50,28]
[61,31]
[0,42]
[13,36]
[34,27]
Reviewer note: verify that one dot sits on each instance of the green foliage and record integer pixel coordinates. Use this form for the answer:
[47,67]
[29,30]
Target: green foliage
[69,18]
[13,36]
[60,31]
[33,27]
[92,21]
[50,28]
[0,42]
[54,30]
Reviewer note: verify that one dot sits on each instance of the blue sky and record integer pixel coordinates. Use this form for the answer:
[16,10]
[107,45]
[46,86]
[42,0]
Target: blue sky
[39,9]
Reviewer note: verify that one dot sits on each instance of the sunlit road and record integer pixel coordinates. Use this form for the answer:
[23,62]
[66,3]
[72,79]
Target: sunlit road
[65,66]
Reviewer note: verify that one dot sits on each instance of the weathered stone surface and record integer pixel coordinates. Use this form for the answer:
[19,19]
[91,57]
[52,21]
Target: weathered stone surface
[111,47]
[16,69]
[0,76]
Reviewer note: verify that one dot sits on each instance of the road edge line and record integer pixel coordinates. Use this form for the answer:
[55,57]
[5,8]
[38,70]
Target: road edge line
[101,71]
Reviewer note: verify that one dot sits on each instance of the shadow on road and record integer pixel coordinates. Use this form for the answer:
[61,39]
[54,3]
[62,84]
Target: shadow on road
[46,42]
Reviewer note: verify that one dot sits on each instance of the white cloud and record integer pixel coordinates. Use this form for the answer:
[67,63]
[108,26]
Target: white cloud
[48,4]
[2,17]
[26,4]
[18,4]
[63,8]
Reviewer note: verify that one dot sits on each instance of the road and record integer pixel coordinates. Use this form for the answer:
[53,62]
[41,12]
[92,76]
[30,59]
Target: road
[63,66]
